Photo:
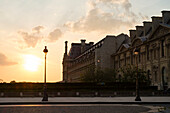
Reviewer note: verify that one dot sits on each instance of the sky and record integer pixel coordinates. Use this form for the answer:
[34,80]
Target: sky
[26,26]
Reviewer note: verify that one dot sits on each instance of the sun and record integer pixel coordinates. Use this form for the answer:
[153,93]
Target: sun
[31,62]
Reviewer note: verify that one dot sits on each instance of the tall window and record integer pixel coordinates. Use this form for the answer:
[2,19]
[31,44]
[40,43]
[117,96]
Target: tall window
[120,78]
[125,58]
[139,56]
[119,60]
[164,78]
[154,53]
[147,50]
[155,76]
[148,74]
[163,48]
[131,57]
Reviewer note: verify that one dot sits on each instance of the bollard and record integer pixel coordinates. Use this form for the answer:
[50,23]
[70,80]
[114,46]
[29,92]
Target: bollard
[96,93]
[2,94]
[58,93]
[115,93]
[77,93]
[153,93]
[40,94]
[21,94]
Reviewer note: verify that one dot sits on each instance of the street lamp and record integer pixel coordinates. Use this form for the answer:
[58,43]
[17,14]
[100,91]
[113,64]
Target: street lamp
[136,52]
[45,96]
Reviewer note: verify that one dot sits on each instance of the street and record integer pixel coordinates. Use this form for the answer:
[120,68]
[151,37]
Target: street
[90,108]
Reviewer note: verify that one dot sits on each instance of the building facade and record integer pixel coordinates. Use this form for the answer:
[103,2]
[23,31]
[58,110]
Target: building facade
[82,56]
[153,41]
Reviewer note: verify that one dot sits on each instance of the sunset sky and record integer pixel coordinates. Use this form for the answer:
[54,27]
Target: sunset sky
[26,26]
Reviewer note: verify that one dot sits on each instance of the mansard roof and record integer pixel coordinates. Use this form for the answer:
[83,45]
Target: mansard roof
[92,48]
[157,30]
[75,49]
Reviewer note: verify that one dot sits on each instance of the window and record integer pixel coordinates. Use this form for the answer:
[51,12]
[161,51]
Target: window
[119,60]
[139,56]
[147,50]
[164,77]
[155,54]
[149,75]
[120,78]
[163,48]
[125,58]
[131,57]
[155,76]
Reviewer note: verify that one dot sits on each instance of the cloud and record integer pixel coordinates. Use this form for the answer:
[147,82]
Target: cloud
[105,16]
[38,29]
[33,38]
[4,61]
[54,35]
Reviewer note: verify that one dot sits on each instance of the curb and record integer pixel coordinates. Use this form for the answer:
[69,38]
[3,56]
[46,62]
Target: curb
[43,103]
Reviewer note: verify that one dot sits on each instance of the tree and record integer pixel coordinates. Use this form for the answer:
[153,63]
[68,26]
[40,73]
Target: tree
[98,75]
[129,74]
[13,81]
[89,75]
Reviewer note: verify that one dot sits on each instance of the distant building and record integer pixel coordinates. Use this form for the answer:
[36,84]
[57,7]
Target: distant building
[83,55]
[153,40]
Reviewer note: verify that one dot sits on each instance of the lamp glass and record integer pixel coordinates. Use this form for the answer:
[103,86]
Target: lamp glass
[136,53]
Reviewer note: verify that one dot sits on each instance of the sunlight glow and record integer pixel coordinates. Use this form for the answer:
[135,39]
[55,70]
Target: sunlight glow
[31,62]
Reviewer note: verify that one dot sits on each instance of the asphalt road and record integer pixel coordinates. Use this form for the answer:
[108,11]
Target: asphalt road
[90,108]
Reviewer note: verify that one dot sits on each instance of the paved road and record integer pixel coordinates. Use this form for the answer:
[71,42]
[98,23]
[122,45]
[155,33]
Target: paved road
[85,99]
[91,108]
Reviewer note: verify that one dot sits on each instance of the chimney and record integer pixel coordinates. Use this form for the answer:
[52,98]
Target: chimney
[155,22]
[132,34]
[91,43]
[166,17]
[147,26]
[66,47]
[83,45]
[139,30]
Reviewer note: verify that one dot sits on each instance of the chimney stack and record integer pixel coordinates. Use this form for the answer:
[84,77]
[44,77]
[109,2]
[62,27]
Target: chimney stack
[166,17]
[132,34]
[83,44]
[91,43]
[139,30]
[147,26]
[66,47]
[155,22]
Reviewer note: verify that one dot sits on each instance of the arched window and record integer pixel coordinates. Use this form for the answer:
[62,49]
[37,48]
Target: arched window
[149,75]
[164,78]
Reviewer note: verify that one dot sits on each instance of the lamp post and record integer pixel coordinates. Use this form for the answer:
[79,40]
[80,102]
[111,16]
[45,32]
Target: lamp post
[136,52]
[45,96]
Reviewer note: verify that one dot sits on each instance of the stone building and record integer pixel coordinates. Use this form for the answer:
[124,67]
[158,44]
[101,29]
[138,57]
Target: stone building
[153,41]
[82,56]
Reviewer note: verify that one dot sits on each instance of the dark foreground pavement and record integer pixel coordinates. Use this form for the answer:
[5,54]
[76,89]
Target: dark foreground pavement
[88,108]
[85,105]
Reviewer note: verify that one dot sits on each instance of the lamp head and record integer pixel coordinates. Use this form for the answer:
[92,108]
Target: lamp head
[45,50]
[136,51]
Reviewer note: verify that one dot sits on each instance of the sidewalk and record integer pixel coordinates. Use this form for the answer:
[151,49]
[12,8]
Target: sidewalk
[85,100]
